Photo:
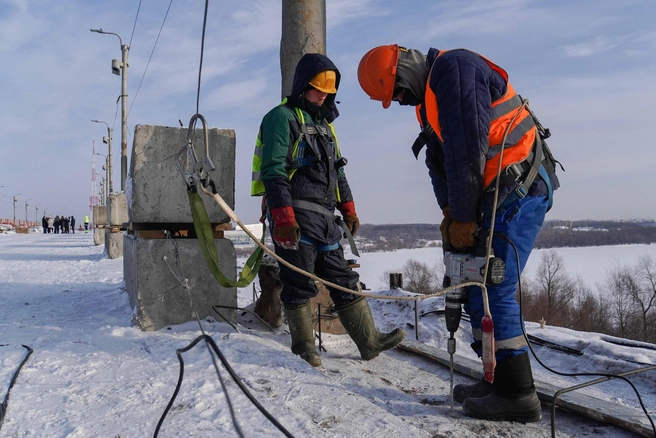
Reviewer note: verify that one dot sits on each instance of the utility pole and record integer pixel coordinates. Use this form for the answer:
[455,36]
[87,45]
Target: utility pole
[303,31]
[108,141]
[15,200]
[121,68]
[26,204]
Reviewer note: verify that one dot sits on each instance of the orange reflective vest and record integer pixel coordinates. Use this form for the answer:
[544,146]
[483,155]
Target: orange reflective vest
[521,135]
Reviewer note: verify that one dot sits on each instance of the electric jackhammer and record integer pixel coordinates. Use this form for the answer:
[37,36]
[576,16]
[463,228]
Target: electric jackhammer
[462,268]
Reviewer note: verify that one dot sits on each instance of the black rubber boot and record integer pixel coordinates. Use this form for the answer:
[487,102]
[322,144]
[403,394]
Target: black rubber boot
[358,321]
[476,390]
[300,327]
[513,396]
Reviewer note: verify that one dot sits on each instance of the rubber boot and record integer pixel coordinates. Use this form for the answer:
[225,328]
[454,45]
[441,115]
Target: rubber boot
[358,321]
[476,390]
[300,327]
[513,396]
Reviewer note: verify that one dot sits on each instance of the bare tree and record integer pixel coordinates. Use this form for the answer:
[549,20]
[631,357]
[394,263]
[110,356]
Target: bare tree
[419,278]
[643,292]
[616,284]
[556,288]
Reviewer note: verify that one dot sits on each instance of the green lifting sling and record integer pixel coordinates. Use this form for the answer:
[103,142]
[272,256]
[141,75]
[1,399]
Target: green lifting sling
[206,239]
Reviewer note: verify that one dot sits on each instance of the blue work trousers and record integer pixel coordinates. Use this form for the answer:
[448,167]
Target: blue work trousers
[520,222]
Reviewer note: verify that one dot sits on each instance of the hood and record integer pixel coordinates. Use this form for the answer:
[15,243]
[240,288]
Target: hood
[412,72]
[308,67]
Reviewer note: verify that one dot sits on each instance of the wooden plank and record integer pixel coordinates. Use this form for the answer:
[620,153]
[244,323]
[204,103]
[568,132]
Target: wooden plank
[604,411]
[161,234]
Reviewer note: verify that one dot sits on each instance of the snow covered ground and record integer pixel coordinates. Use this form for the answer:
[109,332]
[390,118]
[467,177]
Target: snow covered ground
[93,375]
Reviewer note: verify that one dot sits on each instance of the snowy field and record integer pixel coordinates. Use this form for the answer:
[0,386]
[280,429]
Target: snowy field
[92,374]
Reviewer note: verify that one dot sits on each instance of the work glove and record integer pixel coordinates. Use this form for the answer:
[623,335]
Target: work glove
[444,226]
[286,231]
[461,235]
[350,216]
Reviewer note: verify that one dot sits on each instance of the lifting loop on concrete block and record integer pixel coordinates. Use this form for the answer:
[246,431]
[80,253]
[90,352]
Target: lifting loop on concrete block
[196,171]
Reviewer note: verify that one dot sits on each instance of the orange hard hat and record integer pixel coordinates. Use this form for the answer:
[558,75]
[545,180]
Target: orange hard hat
[377,73]
[325,81]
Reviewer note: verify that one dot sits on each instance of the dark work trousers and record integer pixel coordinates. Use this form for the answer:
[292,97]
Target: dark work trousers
[297,289]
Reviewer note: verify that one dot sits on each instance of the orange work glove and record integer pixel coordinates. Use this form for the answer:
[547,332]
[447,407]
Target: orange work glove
[350,216]
[286,231]
[461,235]
[444,226]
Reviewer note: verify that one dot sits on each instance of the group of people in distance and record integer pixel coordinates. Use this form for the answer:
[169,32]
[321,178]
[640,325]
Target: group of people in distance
[58,224]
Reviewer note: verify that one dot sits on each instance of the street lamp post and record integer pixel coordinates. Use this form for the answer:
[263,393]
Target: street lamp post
[26,204]
[108,177]
[123,67]
[15,201]
[108,157]
[36,214]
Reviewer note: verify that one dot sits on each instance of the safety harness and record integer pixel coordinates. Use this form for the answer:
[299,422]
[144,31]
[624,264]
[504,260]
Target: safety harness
[540,161]
[299,160]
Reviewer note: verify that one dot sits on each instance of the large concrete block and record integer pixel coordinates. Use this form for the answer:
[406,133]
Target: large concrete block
[100,215]
[118,209]
[157,192]
[114,243]
[99,236]
[157,296]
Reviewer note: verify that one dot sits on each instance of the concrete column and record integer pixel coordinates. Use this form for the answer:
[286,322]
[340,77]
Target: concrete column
[303,31]
[117,225]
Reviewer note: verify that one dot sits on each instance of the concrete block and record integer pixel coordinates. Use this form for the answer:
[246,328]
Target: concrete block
[118,209]
[100,215]
[157,192]
[114,244]
[156,295]
[99,236]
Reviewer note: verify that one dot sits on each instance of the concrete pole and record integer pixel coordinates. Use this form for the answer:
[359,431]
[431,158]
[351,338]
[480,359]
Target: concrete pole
[303,31]
[15,200]
[124,115]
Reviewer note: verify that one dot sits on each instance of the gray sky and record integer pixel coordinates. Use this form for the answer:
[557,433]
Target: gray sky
[588,68]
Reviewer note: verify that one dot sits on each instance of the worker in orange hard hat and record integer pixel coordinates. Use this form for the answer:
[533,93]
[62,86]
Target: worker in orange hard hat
[488,163]
[299,167]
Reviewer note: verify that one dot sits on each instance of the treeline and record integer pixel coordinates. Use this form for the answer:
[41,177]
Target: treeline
[554,234]
[624,307]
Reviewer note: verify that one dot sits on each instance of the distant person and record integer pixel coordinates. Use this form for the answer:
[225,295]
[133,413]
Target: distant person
[51,225]
[86,224]
[44,224]
[303,179]
[73,224]
[467,109]
[57,224]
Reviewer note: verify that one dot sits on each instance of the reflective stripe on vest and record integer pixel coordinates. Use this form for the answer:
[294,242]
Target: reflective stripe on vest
[521,134]
[257,185]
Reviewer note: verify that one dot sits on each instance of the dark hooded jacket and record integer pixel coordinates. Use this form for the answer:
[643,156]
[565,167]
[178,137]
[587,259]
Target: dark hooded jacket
[315,178]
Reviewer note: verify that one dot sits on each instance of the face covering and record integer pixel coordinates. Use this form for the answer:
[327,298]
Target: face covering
[409,99]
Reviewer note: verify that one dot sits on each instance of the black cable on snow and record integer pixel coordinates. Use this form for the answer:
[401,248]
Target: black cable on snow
[3,406]
[209,341]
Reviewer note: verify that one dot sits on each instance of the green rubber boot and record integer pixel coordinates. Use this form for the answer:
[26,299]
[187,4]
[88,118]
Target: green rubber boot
[300,327]
[358,321]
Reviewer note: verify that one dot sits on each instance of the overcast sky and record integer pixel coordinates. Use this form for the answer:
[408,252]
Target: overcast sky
[587,67]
